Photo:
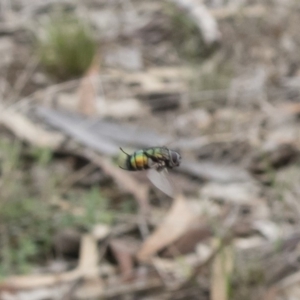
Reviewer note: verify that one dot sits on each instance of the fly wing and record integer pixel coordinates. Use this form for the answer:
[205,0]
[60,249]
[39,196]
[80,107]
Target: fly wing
[161,181]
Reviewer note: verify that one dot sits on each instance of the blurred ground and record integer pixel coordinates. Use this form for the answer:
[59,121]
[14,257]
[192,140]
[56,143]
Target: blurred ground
[217,80]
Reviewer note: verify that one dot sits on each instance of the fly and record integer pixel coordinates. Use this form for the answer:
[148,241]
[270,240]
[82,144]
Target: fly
[158,160]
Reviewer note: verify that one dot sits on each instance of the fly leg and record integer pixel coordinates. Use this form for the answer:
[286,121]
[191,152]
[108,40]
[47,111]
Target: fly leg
[159,164]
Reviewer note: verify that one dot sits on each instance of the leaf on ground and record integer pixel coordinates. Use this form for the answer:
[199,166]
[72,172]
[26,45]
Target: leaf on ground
[178,220]
[87,91]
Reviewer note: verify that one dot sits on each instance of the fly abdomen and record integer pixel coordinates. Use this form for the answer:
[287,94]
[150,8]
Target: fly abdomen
[139,160]
[136,161]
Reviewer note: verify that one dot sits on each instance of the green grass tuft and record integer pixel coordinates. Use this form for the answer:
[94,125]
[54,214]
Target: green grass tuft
[66,46]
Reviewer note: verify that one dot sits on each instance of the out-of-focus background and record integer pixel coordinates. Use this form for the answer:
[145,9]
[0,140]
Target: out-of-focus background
[216,80]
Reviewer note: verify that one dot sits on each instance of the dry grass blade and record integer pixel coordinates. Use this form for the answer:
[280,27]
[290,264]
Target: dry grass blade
[221,270]
[89,256]
[178,220]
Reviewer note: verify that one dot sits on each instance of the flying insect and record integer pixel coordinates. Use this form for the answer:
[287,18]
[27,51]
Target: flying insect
[157,160]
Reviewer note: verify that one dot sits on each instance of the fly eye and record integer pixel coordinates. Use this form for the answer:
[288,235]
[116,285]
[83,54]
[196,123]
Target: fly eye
[176,158]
